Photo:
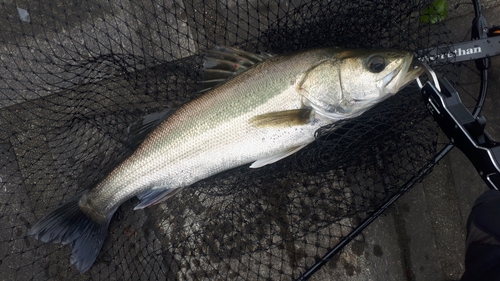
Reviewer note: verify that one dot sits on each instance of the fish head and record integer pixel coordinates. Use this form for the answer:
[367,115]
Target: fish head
[360,79]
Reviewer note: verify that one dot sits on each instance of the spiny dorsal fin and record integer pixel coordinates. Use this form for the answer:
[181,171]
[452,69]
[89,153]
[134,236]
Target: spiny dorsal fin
[223,63]
[145,125]
[285,118]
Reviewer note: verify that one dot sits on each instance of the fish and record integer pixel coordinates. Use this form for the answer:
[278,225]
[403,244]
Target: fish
[255,109]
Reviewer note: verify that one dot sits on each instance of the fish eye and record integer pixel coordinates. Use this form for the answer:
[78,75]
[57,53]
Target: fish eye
[376,64]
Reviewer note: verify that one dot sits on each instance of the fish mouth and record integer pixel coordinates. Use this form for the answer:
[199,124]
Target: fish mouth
[400,77]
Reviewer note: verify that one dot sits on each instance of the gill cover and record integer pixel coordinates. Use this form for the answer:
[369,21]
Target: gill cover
[321,88]
[351,81]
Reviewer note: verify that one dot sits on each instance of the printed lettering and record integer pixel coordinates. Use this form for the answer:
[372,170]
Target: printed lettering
[449,55]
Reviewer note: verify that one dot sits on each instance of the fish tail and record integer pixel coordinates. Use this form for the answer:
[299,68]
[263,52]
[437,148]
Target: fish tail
[69,224]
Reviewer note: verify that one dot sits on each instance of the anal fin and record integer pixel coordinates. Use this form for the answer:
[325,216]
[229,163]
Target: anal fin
[155,196]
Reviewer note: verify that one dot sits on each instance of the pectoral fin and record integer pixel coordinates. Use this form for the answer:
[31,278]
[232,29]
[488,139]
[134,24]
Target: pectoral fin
[274,158]
[283,118]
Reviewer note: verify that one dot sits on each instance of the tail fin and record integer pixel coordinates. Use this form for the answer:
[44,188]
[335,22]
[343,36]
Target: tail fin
[69,224]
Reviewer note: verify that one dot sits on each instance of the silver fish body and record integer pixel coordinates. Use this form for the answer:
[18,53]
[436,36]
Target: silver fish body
[259,116]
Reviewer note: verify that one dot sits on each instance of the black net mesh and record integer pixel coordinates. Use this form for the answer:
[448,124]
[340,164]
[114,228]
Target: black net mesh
[75,74]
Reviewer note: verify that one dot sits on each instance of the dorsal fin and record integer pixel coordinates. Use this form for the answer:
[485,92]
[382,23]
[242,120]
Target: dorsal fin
[223,63]
[141,128]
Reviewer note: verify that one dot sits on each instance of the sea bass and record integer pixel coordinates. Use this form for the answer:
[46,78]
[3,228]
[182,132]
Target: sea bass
[261,109]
